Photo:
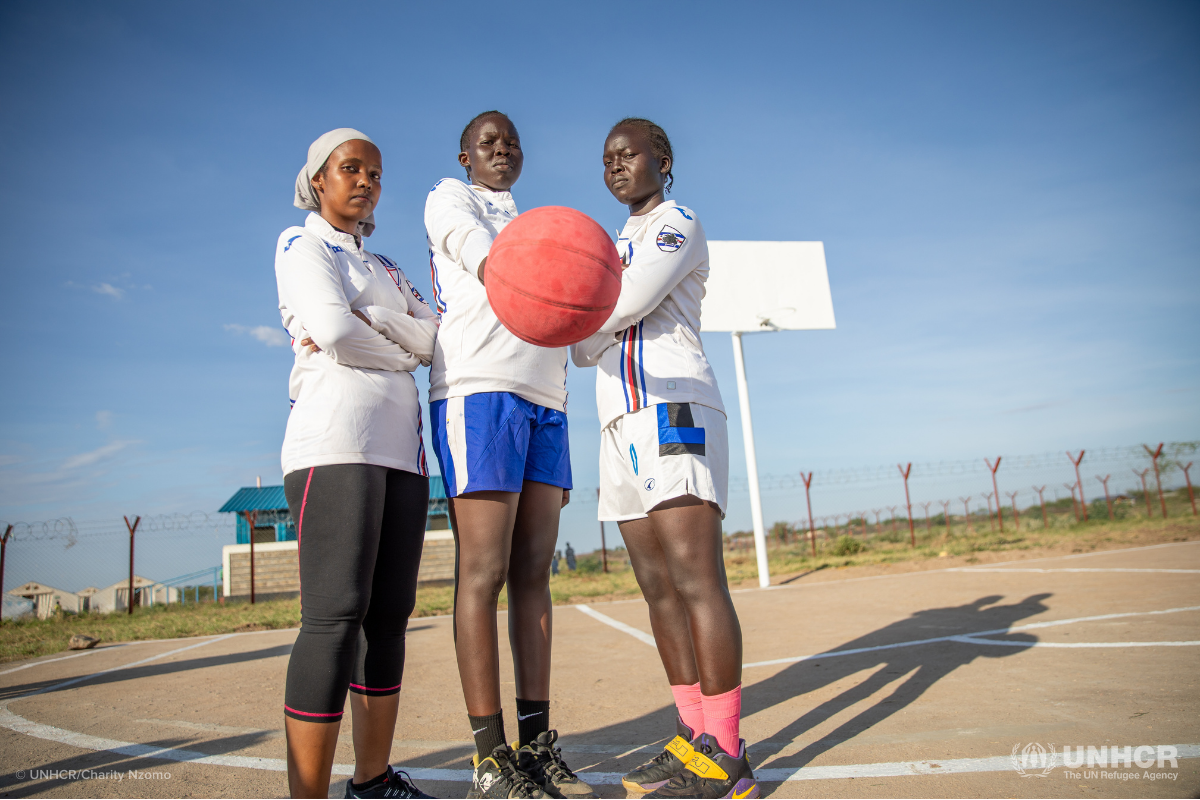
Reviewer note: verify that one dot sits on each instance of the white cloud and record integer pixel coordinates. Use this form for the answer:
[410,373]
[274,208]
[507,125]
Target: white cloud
[104,419]
[110,290]
[271,337]
[93,456]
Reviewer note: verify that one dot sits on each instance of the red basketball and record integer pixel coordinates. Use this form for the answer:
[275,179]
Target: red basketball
[553,276]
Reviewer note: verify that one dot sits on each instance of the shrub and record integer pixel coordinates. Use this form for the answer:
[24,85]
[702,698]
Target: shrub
[847,546]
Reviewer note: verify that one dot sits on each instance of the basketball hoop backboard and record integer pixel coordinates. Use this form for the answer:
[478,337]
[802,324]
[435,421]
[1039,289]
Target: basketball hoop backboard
[767,286]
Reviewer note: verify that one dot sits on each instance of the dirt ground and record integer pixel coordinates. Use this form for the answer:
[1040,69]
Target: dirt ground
[880,681]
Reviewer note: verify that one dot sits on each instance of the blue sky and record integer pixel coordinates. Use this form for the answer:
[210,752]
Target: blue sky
[1007,193]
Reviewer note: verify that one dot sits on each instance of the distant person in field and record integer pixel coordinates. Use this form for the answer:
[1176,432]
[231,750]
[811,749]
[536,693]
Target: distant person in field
[499,424]
[664,467]
[570,557]
[354,468]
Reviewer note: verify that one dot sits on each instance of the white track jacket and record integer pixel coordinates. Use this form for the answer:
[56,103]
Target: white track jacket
[649,351]
[355,402]
[474,352]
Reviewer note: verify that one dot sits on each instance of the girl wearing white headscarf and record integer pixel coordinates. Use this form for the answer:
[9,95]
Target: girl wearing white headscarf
[355,474]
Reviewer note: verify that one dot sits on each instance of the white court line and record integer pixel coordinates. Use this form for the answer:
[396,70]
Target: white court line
[1005,643]
[83,678]
[1064,569]
[641,636]
[85,741]
[52,660]
[962,638]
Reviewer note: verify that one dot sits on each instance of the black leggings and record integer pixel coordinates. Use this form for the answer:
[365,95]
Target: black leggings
[361,528]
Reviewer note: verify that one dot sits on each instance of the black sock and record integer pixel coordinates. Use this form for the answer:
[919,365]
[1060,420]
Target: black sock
[533,717]
[489,733]
[371,784]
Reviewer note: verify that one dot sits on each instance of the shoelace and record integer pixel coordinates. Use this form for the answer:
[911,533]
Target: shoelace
[519,780]
[554,763]
[404,786]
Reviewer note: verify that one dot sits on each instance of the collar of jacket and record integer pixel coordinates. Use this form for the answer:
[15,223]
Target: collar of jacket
[320,226]
[502,200]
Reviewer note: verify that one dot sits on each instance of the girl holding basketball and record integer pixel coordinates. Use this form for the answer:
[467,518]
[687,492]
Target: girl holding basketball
[498,408]
[354,468]
[664,465]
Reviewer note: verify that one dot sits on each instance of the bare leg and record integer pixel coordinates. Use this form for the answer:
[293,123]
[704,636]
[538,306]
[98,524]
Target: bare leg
[374,726]
[310,749]
[689,531]
[668,616]
[529,608]
[483,528]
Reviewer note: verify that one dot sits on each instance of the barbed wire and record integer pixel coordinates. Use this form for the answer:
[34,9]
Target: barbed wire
[68,530]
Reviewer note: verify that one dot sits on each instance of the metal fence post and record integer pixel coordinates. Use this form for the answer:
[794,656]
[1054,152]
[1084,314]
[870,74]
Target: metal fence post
[1154,454]
[812,533]
[1079,481]
[132,530]
[1107,499]
[1070,487]
[996,490]
[1042,500]
[912,536]
[1186,477]
[3,552]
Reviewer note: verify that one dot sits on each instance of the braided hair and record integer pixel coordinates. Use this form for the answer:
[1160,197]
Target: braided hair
[660,145]
[473,127]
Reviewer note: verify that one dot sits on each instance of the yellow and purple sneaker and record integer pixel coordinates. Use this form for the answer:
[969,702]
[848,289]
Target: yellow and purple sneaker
[712,773]
[671,761]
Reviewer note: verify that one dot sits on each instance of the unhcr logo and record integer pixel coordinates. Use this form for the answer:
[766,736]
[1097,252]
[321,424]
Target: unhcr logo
[1034,759]
[1039,760]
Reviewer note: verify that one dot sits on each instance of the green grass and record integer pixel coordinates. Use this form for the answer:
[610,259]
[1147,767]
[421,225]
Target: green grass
[842,548]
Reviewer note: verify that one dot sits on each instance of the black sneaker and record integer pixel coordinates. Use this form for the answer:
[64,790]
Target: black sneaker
[498,776]
[393,786]
[712,773]
[543,762]
[664,766]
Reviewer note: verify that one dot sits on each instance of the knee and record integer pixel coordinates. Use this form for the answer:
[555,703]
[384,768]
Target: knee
[346,610]
[697,590]
[656,587]
[482,582]
[529,577]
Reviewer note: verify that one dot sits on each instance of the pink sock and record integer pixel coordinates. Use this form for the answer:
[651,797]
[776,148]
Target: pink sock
[691,708]
[722,713]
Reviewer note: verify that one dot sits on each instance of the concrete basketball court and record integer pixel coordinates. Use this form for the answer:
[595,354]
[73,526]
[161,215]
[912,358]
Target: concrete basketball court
[908,684]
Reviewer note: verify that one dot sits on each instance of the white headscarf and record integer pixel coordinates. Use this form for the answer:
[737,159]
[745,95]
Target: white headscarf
[318,153]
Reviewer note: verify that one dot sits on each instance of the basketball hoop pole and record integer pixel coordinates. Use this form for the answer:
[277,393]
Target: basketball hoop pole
[760,534]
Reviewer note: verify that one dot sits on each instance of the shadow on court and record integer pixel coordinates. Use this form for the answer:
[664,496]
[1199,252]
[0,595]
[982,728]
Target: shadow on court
[150,670]
[917,667]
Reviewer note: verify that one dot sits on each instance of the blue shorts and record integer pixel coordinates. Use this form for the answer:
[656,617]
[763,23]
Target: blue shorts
[494,441]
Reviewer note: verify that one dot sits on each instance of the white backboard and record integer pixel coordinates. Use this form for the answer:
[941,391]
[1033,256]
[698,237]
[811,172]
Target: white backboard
[767,286]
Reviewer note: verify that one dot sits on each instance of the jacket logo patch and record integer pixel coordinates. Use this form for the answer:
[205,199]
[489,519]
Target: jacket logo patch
[288,246]
[334,248]
[649,484]
[414,291]
[670,240]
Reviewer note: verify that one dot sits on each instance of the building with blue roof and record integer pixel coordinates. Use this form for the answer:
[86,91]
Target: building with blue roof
[273,522]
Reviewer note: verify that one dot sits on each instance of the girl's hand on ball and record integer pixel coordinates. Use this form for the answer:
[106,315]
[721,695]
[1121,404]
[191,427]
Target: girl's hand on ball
[482,267]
